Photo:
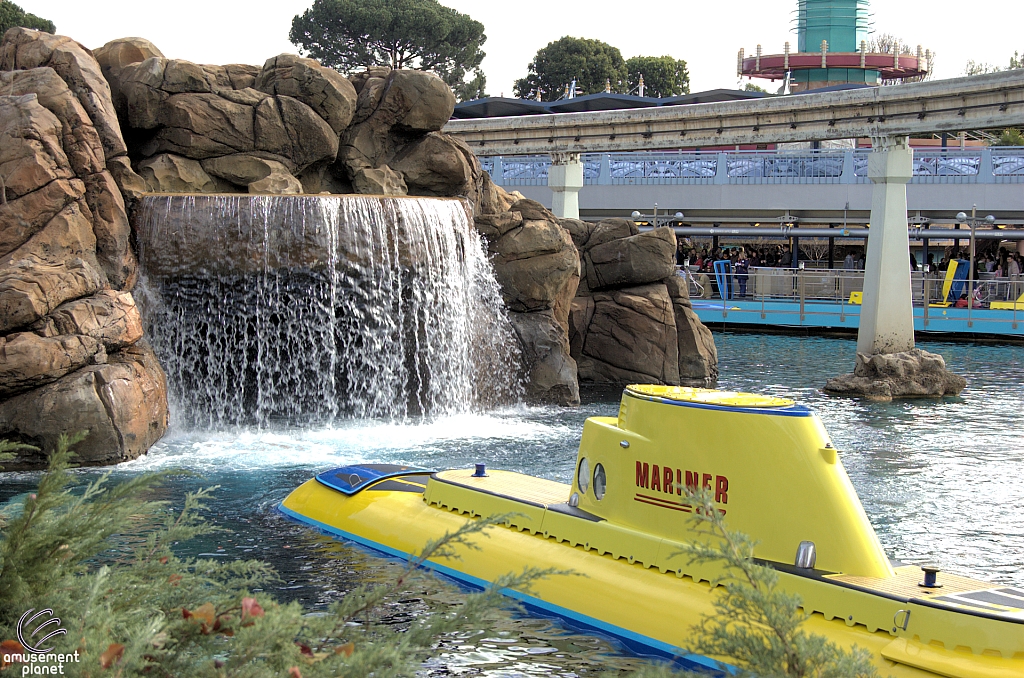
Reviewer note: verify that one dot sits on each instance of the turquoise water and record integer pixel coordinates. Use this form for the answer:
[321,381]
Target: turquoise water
[940,480]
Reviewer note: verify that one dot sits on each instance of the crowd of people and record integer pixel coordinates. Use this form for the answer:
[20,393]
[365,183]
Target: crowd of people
[999,265]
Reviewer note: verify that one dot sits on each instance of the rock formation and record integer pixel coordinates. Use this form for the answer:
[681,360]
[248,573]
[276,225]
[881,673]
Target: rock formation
[912,374]
[537,266]
[631,319]
[70,352]
[208,129]
[73,127]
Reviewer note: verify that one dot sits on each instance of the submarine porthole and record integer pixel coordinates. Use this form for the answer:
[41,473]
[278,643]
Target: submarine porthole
[600,481]
[583,475]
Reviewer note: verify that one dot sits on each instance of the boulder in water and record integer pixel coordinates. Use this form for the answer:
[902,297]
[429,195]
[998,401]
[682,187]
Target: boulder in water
[909,374]
[626,335]
[537,266]
[698,357]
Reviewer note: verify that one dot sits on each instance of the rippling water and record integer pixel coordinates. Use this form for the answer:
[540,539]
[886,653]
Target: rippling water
[940,480]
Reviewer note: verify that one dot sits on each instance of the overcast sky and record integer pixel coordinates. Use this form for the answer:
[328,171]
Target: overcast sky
[706,34]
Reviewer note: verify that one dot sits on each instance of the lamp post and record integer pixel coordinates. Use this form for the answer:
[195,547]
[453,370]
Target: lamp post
[961,218]
[653,219]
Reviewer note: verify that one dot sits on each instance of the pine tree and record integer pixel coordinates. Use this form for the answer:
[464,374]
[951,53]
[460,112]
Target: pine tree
[104,557]
[756,624]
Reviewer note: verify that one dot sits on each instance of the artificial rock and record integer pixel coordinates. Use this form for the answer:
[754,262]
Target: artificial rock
[122,404]
[910,374]
[324,90]
[169,173]
[68,332]
[23,49]
[631,320]
[537,267]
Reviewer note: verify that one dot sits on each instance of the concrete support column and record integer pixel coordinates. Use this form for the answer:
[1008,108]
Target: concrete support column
[887,316]
[565,179]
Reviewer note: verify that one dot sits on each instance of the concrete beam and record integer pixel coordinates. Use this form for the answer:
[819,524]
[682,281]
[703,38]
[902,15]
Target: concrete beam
[979,102]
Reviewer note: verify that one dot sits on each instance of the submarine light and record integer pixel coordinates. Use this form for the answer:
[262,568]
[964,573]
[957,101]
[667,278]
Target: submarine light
[806,555]
[583,475]
[600,482]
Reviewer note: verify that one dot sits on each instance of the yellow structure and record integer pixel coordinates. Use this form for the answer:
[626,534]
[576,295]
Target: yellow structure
[1009,305]
[947,284]
[771,470]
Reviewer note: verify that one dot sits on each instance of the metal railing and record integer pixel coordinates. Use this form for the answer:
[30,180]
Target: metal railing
[987,165]
[812,287]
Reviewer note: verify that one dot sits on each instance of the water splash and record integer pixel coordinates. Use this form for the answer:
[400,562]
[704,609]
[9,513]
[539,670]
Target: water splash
[298,310]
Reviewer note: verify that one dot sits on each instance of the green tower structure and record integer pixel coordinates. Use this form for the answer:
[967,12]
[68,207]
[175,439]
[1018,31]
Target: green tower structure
[831,50]
[843,24]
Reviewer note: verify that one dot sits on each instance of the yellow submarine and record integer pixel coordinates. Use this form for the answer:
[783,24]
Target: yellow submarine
[772,471]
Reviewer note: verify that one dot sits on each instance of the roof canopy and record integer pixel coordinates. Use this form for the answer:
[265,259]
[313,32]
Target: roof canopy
[496,107]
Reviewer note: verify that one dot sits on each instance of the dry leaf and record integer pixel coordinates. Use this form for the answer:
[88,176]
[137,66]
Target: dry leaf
[205,613]
[294,672]
[347,649]
[9,647]
[111,655]
[250,608]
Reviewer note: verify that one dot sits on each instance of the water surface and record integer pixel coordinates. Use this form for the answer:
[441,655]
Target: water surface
[940,481]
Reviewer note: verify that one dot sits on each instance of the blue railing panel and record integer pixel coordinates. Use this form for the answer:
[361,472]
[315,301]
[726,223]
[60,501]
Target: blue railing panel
[817,166]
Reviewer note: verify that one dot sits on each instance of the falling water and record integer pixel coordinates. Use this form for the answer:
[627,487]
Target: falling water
[274,310]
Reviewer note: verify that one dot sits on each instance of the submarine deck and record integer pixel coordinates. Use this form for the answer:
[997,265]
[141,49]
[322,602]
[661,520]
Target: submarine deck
[504,491]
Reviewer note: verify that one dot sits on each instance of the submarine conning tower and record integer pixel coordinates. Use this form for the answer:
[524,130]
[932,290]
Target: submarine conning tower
[767,461]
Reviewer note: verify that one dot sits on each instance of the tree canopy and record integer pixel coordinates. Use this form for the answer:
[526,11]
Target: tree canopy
[12,15]
[1010,137]
[591,63]
[351,34]
[663,76]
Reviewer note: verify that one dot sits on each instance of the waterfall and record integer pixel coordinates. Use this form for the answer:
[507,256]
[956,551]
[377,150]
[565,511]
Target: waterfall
[297,310]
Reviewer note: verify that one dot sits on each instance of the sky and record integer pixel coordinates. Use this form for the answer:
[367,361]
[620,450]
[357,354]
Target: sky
[707,35]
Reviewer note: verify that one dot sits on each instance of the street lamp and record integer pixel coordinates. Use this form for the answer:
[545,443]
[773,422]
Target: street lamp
[636,214]
[961,218]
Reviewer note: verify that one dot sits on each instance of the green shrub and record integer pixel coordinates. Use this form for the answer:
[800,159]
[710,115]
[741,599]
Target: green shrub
[103,559]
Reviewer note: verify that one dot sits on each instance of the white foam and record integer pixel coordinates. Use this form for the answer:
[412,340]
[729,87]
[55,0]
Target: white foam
[351,442]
